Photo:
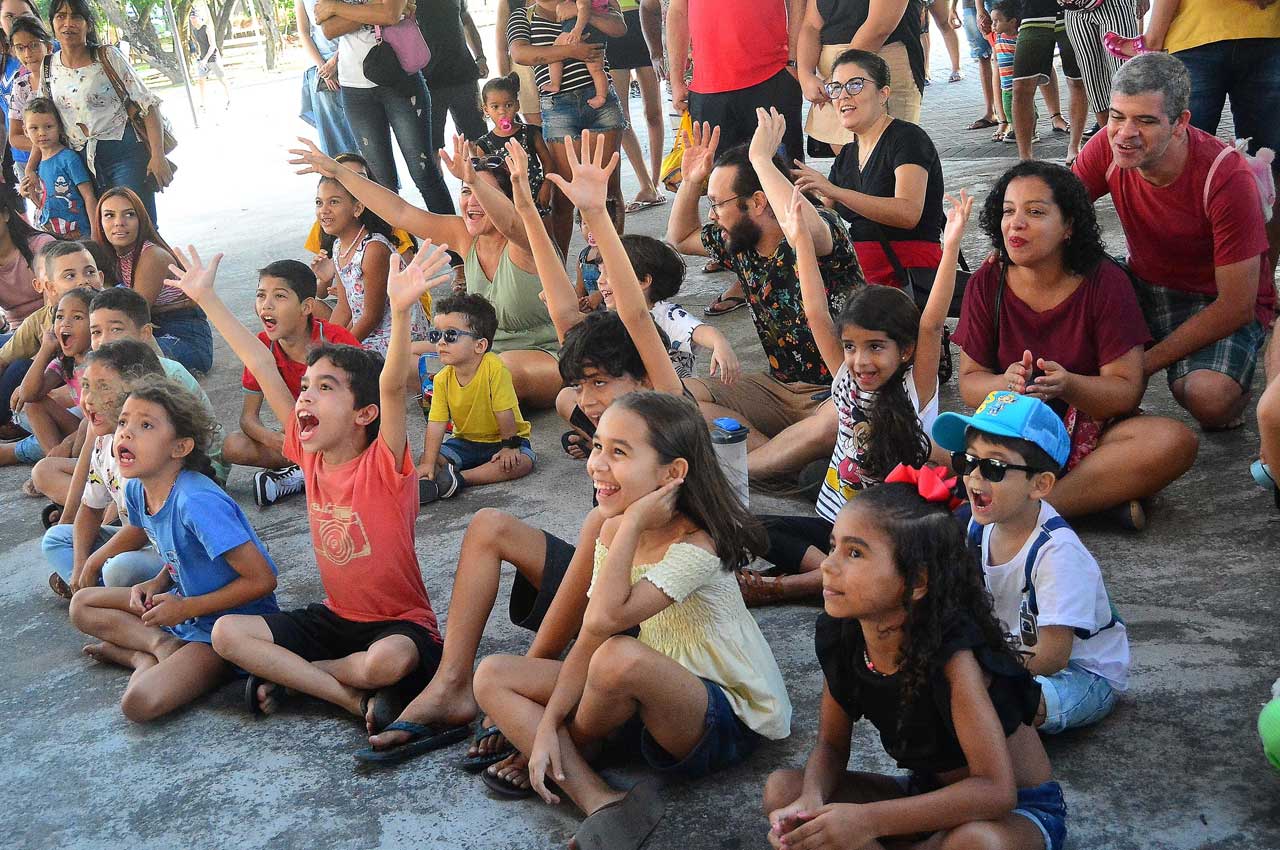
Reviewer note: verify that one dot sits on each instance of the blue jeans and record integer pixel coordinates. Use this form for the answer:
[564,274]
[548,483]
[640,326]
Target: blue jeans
[1074,697]
[463,100]
[979,47]
[185,336]
[1248,71]
[374,114]
[468,454]
[323,110]
[567,113]
[124,163]
[123,570]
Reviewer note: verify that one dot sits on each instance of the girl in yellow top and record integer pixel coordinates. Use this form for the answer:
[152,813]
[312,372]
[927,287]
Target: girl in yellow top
[699,681]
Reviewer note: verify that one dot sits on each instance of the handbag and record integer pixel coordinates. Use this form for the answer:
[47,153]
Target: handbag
[382,65]
[134,112]
[405,38]
[670,172]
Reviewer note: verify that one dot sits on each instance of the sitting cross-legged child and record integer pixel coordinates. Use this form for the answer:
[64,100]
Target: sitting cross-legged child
[375,629]
[83,551]
[284,302]
[909,641]
[490,440]
[214,563]
[1047,588]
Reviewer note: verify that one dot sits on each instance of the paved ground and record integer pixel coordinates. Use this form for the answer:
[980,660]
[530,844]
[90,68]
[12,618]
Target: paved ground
[1177,766]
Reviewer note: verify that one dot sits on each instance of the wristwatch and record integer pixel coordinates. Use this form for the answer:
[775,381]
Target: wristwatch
[513,443]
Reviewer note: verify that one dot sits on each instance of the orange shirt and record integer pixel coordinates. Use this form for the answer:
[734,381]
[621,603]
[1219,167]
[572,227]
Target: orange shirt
[362,515]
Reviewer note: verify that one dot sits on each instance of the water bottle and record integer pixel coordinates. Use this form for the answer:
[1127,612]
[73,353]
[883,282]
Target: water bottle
[729,439]
[428,366]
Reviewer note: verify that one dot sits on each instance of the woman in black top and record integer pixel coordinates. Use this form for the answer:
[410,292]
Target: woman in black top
[887,184]
[889,28]
[909,641]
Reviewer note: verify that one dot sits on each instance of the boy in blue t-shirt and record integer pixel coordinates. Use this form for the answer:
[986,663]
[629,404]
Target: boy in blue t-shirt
[66,194]
[1045,586]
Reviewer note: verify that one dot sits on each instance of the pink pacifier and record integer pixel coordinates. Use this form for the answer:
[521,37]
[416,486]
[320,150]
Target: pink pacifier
[505,125]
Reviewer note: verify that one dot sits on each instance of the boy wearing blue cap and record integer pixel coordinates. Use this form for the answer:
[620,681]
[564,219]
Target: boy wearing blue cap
[1046,587]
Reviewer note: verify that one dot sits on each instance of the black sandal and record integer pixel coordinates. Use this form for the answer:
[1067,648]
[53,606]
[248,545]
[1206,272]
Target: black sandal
[51,515]
[479,761]
[505,788]
[571,441]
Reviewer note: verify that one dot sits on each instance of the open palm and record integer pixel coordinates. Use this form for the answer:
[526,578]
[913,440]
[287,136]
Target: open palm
[590,185]
[406,284]
[699,152]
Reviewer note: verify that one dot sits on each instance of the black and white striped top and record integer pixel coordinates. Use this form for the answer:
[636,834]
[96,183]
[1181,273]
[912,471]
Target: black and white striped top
[540,32]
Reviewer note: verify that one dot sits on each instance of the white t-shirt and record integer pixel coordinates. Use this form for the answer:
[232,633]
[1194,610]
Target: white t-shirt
[103,484]
[352,48]
[1069,592]
[845,475]
[679,326]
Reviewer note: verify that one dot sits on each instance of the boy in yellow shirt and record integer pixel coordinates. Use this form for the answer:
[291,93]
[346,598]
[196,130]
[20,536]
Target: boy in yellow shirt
[490,439]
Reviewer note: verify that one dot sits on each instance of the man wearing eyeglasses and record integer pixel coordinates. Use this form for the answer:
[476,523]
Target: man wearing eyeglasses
[785,408]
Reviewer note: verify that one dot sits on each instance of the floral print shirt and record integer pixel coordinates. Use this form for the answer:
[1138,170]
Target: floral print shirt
[351,274]
[88,103]
[773,294]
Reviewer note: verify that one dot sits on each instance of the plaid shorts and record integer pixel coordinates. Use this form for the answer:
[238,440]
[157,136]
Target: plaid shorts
[1235,356]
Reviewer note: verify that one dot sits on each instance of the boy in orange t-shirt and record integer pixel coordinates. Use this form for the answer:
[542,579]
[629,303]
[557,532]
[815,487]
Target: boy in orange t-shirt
[375,636]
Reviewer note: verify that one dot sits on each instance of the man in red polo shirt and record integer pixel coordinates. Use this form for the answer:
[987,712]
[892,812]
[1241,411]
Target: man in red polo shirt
[1193,221]
[286,293]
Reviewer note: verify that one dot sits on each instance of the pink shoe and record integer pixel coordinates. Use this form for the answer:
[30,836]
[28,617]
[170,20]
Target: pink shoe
[1125,48]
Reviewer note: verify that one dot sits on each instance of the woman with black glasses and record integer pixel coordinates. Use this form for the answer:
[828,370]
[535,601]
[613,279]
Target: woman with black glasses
[496,257]
[887,182]
[1052,316]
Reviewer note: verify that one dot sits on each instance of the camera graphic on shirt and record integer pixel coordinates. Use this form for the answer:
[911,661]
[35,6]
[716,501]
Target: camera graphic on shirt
[340,533]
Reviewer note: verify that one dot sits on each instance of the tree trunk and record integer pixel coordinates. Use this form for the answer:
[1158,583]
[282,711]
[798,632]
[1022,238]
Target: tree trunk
[143,39]
[270,31]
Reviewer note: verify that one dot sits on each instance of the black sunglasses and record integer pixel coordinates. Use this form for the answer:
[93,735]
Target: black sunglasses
[992,470]
[489,163]
[450,336]
[852,87]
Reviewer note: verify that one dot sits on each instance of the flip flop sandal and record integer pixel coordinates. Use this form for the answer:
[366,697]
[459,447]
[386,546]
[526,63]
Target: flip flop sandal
[570,444]
[59,585]
[478,762]
[1125,48]
[713,267]
[637,206]
[50,516]
[955,77]
[733,302]
[982,124]
[423,738]
[1060,130]
[251,686]
[386,707]
[623,825]
[505,788]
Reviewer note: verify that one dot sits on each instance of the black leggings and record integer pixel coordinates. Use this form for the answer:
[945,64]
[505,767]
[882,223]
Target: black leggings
[790,538]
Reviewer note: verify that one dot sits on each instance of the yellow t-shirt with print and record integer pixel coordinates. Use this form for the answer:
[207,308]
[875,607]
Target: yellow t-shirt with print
[473,408]
[1201,22]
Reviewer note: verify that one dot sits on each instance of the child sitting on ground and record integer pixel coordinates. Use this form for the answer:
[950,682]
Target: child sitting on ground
[346,429]
[908,640]
[116,314]
[85,553]
[574,16]
[588,285]
[500,98]
[1046,587]
[66,186]
[214,563]
[473,390]
[284,302]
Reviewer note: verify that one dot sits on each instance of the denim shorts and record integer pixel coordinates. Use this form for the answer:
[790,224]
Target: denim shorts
[726,740]
[568,114]
[979,47]
[1074,697]
[468,454]
[1042,804]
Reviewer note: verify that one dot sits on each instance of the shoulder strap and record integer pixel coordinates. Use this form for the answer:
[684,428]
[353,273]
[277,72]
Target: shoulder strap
[113,77]
[898,268]
[975,535]
[1213,169]
[995,319]
[1053,524]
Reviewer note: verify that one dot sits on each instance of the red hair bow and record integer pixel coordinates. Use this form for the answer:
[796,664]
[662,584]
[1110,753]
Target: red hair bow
[931,482]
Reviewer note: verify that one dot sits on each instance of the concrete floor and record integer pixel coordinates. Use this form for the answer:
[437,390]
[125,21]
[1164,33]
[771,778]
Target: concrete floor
[1178,764]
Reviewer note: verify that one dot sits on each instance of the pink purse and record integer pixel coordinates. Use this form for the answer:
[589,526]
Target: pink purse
[406,40]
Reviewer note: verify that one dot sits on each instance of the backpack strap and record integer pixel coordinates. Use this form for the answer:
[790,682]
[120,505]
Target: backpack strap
[1056,523]
[1213,169]
[974,537]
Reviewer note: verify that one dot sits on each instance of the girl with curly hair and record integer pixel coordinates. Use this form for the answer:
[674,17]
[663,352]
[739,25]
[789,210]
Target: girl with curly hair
[909,641]
[214,563]
[1052,316]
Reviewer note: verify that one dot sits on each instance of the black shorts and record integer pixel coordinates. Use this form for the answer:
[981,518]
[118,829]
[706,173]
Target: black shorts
[734,112]
[790,538]
[529,604]
[630,50]
[318,634]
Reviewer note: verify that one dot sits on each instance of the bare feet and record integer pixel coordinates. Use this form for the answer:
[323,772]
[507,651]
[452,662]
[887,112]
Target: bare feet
[109,653]
[513,770]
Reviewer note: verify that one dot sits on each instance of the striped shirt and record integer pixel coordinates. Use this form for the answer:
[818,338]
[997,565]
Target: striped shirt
[540,32]
[1005,47]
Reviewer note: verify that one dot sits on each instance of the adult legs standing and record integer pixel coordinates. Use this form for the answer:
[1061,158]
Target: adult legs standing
[327,116]
[463,102]
[124,163]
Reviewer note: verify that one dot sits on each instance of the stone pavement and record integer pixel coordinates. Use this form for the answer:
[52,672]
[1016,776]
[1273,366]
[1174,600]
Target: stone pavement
[1177,765]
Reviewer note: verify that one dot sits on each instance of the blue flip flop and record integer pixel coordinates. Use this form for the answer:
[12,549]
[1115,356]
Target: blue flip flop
[423,738]
[1262,475]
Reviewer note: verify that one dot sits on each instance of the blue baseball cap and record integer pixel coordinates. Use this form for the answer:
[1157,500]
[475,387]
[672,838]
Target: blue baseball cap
[1008,414]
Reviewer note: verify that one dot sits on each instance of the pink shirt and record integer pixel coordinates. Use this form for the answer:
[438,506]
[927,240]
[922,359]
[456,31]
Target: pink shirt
[736,43]
[18,296]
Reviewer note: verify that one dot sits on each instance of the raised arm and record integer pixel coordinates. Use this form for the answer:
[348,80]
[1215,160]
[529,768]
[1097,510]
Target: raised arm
[393,209]
[404,287]
[196,280]
[684,227]
[557,289]
[587,192]
[770,129]
[817,311]
[932,318]
[497,206]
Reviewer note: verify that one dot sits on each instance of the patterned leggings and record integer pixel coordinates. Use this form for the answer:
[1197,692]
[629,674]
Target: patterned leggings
[1085,29]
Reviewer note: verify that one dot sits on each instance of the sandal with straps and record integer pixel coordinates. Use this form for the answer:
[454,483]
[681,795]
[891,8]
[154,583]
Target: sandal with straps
[759,590]
[1125,48]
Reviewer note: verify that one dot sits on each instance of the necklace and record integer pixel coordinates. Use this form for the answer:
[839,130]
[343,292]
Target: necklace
[344,256]
[866,659]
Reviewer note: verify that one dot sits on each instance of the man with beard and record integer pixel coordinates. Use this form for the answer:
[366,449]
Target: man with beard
[1193,221]
[791,424]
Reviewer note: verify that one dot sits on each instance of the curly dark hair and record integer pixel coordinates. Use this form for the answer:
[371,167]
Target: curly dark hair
[190,419]
[929,545]
[1083,249]
[658,261]
[896,434]
[600,341]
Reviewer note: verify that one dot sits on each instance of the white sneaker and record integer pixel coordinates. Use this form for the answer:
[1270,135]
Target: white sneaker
[272,485]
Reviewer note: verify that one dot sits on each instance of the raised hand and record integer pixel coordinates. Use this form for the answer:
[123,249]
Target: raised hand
[192,276]
[699,153]
[590,184]
[518,165]
[312,160]
[460,164]
[809,180]
[957,218]
[771,126]
[792,221]
[406,284]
